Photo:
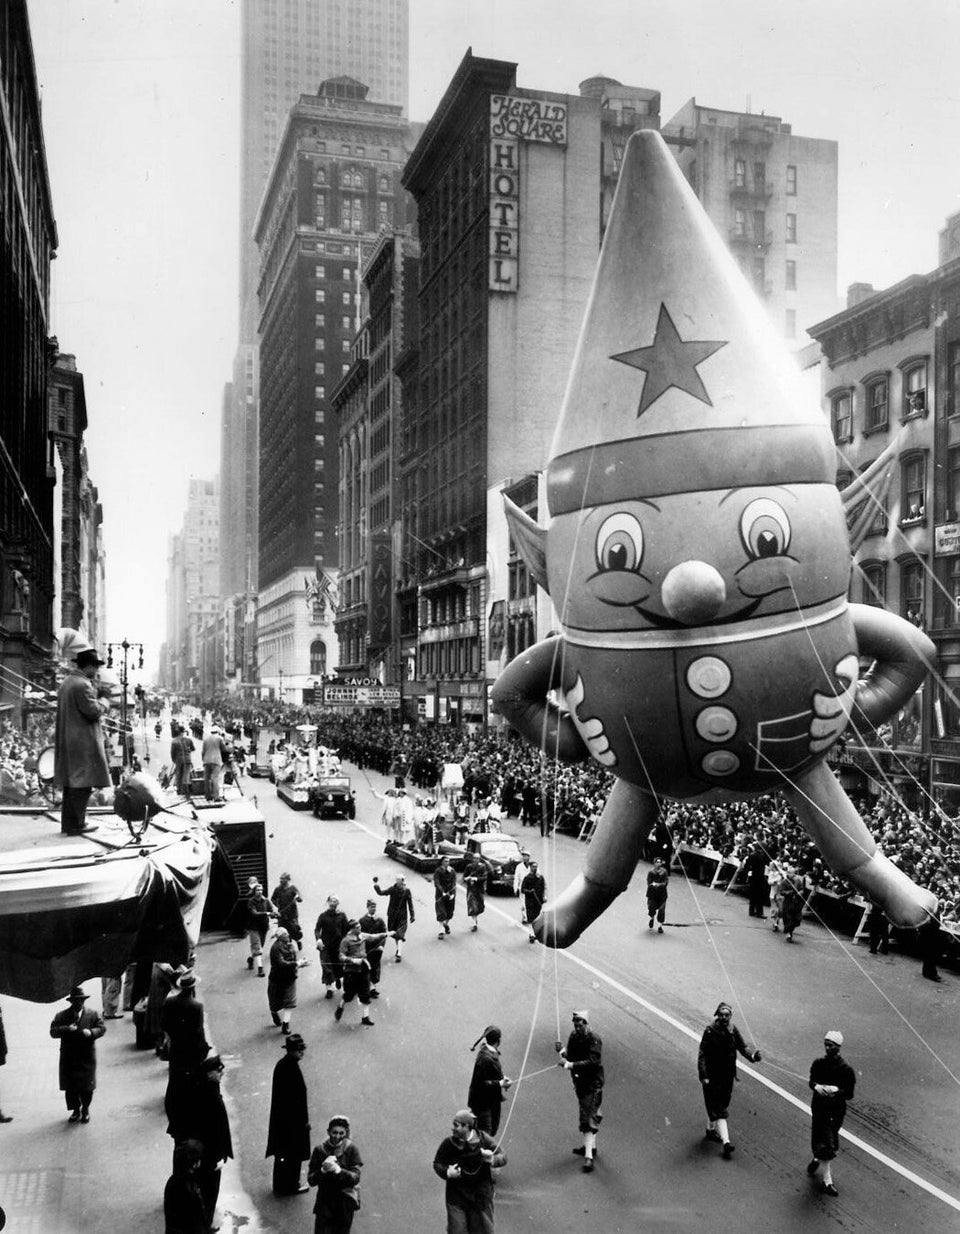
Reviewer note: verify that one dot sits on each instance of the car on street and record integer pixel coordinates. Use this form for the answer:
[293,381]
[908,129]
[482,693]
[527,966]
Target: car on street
[502,855]
[333,794]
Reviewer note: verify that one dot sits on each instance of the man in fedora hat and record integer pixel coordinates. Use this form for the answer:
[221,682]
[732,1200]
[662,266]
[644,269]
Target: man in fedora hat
[78,1029]
[80,760]
[288,1135]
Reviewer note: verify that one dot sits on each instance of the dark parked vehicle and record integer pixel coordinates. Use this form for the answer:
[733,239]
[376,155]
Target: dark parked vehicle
[333,794]
[502,855]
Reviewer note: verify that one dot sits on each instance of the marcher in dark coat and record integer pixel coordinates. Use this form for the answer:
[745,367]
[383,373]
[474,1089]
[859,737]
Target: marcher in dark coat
[206,1121]
[282,985]
[533,888]
[258,911]
[878,930]
[488,1083]
[372,925]
[758,889]
[717,1068]
[657,880]
[464,1160]
[78,1029]
[400,911]
[832,1081]
[4,1118]
[80,760]
[334,1170]
[582,1056]
[475,880]
[285,898]
[329,930]
[183,1211]
[791,905]
[182,1022]
[445,895]
[288,1135]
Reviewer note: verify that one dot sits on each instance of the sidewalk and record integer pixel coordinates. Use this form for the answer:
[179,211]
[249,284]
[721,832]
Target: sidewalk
[68,1178]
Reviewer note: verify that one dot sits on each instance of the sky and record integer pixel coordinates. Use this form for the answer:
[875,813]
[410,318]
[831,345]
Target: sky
[141,116]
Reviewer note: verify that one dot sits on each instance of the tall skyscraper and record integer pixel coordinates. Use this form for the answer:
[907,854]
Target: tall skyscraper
[289,48]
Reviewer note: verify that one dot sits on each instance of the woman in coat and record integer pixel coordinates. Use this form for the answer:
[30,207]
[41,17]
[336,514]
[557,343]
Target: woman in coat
[282,985]
[334,1170]
[288,1136]
[475,881]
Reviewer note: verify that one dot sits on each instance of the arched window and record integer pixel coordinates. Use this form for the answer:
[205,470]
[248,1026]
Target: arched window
[318,658]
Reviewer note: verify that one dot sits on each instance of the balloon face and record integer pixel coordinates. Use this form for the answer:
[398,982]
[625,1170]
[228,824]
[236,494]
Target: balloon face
[708,642]
[685,560]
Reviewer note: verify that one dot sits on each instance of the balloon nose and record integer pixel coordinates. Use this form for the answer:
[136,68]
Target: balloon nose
[693,592]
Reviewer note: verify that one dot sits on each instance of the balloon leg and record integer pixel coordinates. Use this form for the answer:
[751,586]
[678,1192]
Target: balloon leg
[611,858]
[848,848]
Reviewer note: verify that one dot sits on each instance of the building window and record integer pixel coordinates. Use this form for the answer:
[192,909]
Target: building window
[319,319]
[874,590]
[739,174]
[791,180]
[791,282]
[320,391]
[318,658]
[319,344]
[911,591]
[953,379]
[345,297]
[913,478]
[876,412]
[319,368]
[345,321]
[758,273]
[319,295]
[953,485]
[739,223]
[760,177]
[320,176]
[320,272]
[954,586]
[791,229]
[790,325]
[915,391]
[841,417]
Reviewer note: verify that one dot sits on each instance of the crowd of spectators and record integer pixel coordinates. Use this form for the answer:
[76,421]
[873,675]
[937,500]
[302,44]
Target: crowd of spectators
[19,751]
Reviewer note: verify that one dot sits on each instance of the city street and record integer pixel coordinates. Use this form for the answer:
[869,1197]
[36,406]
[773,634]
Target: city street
[649,998]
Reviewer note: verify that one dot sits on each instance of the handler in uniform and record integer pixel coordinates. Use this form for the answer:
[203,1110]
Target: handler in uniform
[832,1081]
[717,1067]
[582,1056]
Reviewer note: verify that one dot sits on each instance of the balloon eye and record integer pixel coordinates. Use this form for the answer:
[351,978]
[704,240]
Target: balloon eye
[765,528]
[620,543]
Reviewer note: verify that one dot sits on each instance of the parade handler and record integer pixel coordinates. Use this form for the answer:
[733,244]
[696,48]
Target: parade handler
[466,1159]
[582,1056]
[832,1081]
[717,1068]
[80,760]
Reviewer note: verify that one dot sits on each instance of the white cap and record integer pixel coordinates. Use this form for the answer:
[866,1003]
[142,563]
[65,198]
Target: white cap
[834,1035]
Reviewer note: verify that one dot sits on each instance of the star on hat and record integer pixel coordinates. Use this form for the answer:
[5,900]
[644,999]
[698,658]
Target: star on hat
[670,362]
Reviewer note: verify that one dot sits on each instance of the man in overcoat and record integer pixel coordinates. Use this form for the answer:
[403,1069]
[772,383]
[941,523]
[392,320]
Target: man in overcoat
[80,760]
[288,1136]
[78,1029]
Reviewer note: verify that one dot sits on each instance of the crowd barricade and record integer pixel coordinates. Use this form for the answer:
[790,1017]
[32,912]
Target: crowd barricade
[707,855]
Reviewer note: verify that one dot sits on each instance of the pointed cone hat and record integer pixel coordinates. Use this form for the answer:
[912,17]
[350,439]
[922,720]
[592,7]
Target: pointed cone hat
[680,382]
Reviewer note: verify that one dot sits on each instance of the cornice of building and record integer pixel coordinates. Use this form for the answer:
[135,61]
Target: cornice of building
[474,76]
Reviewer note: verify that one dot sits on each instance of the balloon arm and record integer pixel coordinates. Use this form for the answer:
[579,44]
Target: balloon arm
[830,819]
[901,656]
[611,859]
[520,696]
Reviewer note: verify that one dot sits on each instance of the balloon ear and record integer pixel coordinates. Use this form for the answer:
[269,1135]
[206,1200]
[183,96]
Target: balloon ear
[531,541]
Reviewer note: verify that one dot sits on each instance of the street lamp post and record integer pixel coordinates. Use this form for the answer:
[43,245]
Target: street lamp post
[126,648]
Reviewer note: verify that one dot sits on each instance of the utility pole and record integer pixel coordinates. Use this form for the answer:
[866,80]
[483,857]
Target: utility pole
[125,647]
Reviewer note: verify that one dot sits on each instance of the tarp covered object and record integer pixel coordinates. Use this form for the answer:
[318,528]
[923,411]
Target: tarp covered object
[68,916]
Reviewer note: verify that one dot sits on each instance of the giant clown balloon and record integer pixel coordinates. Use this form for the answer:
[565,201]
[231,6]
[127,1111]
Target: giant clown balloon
[698,558]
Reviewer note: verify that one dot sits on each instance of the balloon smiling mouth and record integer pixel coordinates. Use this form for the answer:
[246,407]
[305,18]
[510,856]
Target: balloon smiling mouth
[661,621]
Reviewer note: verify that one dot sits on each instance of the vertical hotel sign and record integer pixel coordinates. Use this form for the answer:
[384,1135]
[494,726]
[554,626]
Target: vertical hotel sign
[514,119]
[379,590]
